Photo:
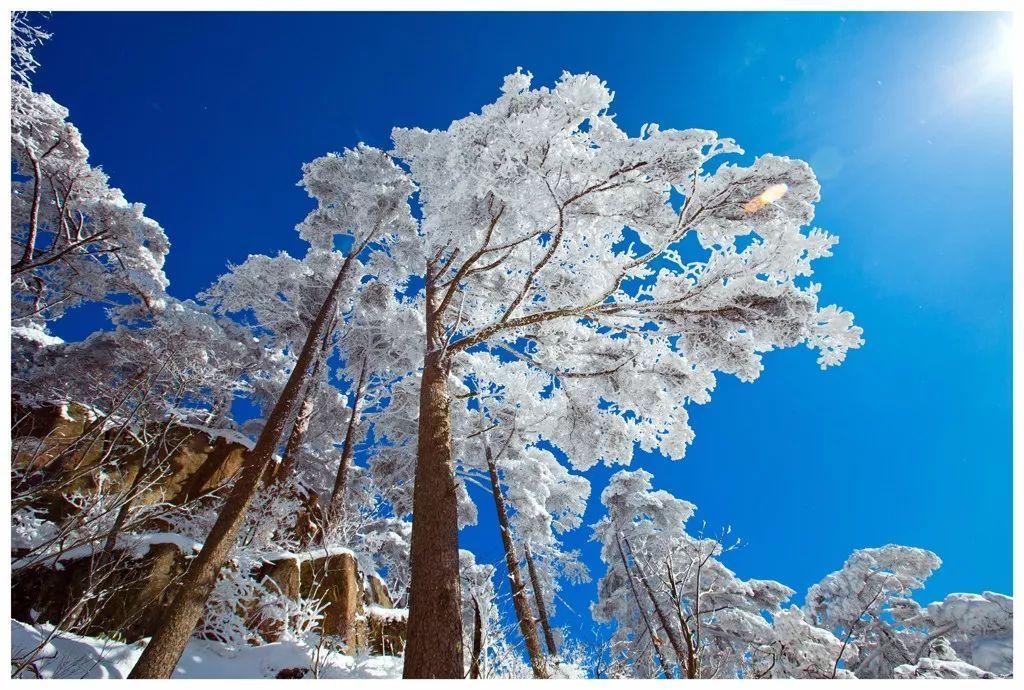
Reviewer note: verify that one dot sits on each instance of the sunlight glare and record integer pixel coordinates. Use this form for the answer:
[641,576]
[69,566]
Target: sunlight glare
[768,196]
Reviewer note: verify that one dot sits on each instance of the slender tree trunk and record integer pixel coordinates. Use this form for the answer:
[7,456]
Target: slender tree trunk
[302,418]
[524,615]
[692,668]
[434,647]
[542,609]
[659,610]
[478,640]
[299,427]
[337,504]
[33,221]
[643,613]
[161,655]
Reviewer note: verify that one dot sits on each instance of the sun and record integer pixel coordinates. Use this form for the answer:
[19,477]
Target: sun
[1001,55]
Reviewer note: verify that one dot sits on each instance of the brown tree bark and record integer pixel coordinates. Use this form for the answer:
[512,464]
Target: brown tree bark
[434,646]
[337,504]
[524,615]
[542,609]
[161,655]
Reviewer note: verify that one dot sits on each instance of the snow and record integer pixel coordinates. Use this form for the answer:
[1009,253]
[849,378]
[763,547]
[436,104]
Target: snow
[35,335]
[937,668]
[75,656]
[229,435]
[138,543]
[994,653]
[385,614]
[310,555]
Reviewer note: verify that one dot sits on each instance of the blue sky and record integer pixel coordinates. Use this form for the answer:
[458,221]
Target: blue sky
[207,119]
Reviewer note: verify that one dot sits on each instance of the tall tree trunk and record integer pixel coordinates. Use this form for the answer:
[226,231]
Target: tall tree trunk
[643,613]
[337,504]
[478,640]
[542,609]
[434,647]
[162,653]
[524,615]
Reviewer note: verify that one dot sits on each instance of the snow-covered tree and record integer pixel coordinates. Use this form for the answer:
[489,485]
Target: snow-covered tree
[362,196]
[523,208]
[799,650]
[74,238]
[25,37]
[854,602]
[972,628]
[197,364]
[672,600]
[374,334]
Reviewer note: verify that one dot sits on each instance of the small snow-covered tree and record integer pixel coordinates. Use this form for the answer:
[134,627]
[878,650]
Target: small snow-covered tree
[542,499]
[374,334]
[673,602]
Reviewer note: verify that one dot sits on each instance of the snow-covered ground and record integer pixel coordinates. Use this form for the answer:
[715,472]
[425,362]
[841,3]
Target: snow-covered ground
[74,656]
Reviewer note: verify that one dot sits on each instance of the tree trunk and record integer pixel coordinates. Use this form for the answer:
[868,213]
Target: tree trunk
[337,504]
[161,655]
[33,220]
[434,647]
[478,640]
[643,612]
[302,418]
[524,615]
[542,609]
[300,426]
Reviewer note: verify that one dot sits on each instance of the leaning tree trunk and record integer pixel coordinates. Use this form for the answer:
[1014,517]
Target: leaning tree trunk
[337,505]
[519,601]
[161,655]
[434,646]
[542,609]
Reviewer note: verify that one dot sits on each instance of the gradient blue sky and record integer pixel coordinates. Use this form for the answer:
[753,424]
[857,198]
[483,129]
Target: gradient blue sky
[207,119]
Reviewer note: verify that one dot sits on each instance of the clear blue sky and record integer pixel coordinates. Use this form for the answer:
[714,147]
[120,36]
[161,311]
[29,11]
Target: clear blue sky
[207,119]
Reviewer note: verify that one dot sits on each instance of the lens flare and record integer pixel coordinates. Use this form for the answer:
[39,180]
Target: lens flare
[768,196]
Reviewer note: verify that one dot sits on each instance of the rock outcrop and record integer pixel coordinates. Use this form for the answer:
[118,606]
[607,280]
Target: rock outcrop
[142,580]
[135,591]
[65,443]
